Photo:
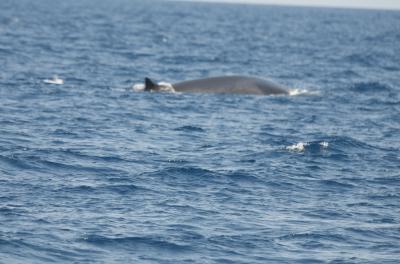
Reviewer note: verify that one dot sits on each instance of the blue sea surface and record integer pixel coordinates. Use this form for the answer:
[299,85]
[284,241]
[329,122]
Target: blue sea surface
[93,171]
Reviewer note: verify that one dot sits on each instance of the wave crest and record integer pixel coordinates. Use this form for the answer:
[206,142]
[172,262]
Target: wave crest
[308,146]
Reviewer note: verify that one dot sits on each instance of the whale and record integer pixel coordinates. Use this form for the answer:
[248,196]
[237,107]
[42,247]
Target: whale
[235,84]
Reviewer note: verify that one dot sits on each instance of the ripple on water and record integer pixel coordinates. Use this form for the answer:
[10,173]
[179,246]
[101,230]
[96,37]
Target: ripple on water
[136,243]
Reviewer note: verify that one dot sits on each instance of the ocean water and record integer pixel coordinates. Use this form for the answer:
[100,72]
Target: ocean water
[92,171]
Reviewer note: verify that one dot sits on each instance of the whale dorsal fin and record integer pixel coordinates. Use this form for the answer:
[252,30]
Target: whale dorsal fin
[150,85]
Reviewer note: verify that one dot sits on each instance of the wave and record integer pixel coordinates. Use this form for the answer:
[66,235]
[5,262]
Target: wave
[41,163]
[12,211]
[317,237]
[198,177]
[315,146]
[184,175]
[121,189]
[135,242]
[335,184]
[340,144]
[24,250]
[370,87]
[190,129]
[17,161]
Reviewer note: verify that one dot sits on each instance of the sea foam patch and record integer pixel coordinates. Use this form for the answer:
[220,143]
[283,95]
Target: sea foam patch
[304,146]
[298,91]
[138,87]
[54,80]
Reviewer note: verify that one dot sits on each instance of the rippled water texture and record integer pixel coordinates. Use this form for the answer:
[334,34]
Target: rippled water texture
[93,172]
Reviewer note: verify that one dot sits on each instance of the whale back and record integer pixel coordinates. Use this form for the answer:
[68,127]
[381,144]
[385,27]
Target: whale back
[231,84]
[224,84]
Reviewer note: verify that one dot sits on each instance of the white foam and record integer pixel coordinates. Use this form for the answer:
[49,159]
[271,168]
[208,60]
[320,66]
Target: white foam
[299,147]
[138,87]
[297,91]
[324,144]
[54,80]
[164,87]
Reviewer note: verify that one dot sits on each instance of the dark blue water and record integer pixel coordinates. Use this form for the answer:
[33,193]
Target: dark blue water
[93,172]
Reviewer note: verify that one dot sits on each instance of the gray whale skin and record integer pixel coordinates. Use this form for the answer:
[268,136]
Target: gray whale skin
[235,84]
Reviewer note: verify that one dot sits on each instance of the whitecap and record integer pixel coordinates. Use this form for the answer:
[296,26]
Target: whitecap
[54,80]
[138,87]
[301,146]
[309,146]
[298,91]
[324,144]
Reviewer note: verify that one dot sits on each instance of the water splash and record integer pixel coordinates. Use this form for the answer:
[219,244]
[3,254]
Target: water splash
[54,80]
[304,146]
[138,87]
[164,87]
[298,91]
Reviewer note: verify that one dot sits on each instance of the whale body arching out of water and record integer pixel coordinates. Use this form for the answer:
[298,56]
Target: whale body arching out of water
[235,84]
